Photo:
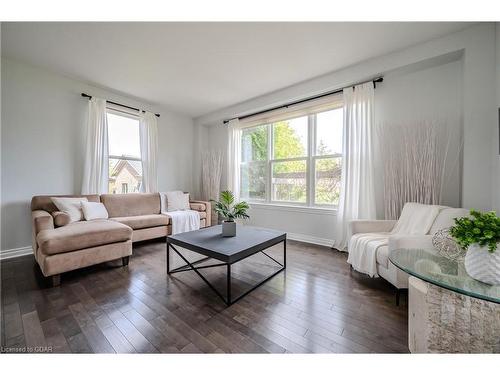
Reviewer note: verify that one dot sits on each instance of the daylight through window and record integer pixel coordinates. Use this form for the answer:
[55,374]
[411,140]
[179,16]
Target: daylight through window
[293,161]
[125,166]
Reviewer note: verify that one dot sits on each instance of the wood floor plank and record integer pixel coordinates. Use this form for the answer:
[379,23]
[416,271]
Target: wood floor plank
[12,321]
[26,303]
[91,331]
[79,344]
[191,348]
[327,330]
[54,336]
[16,342]
[138,341]
[272,335]
[236,339]
[33,331]
[68,324]
[265,343]
[173,337]
[159,341]
[117,340]
[2,325]
[9,293]
[299,339]
[194,332]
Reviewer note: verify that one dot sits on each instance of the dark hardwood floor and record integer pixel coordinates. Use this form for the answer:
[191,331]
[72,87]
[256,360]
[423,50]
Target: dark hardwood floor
[317,305]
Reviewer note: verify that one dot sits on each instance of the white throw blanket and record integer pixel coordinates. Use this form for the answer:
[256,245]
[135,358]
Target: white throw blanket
[363,251]
[184,221]
[416,219]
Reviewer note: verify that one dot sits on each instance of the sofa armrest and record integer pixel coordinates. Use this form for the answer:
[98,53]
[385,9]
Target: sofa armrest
[371,226]
[410,242]
[42,220]
[198,206]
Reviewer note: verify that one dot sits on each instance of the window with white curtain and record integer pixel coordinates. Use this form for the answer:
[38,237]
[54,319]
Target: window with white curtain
[295,160]
[125,165]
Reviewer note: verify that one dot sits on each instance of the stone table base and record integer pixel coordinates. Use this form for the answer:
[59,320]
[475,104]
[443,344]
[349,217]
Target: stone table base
[442,321]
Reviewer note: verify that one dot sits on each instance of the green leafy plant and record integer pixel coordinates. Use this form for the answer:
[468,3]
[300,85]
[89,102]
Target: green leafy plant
[228,209]
[482,228]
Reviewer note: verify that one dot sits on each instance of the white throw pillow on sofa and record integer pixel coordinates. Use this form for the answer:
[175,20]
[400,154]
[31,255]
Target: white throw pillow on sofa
[94,210]
[174,201]
[71,206]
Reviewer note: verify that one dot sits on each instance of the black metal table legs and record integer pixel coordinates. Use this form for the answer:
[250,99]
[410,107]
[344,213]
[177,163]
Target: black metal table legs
[228,300]
[228,294]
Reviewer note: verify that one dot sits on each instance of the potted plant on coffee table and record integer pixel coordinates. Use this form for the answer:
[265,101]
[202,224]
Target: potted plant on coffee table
[480,235]
[230,210]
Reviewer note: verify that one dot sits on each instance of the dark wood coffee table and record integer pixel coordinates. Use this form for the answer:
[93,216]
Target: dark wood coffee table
[228,250]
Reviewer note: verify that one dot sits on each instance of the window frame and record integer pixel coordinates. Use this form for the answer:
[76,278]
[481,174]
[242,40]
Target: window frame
[310,159]
[133,116]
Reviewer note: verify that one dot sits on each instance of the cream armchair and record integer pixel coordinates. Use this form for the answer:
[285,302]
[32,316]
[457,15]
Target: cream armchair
[385,268]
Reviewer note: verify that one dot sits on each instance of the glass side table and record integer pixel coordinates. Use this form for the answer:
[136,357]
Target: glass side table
[443,272]
[448,311]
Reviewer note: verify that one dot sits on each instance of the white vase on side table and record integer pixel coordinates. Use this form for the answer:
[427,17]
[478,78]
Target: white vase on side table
[483,265]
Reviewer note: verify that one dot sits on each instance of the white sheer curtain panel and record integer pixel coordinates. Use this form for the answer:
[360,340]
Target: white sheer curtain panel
[357,195]
[148,130]
[96,169]
[234,157]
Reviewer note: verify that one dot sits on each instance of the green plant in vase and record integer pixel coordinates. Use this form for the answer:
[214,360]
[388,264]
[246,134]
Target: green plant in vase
[230,210]
[480,235]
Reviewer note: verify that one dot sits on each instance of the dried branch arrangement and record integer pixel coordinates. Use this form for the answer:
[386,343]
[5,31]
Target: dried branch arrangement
[414,157]
[211,170]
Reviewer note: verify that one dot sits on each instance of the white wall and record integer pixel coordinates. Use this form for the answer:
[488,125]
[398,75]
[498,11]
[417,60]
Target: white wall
[496,129]
[449,77]
[43,137]
[431,94]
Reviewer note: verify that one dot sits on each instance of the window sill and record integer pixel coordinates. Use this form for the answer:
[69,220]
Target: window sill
[294,208]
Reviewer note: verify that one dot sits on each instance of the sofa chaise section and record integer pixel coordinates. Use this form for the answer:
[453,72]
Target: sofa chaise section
[76,245]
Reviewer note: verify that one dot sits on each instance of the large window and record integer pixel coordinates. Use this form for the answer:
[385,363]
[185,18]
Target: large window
[125,166]
[294,161]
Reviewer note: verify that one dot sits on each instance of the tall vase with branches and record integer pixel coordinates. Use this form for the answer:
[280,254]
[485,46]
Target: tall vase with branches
[211,175]
[414,156]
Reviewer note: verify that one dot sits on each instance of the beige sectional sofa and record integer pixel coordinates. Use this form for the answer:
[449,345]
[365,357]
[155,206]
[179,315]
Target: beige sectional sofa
[60,248]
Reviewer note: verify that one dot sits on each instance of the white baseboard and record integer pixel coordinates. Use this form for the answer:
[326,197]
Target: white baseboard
[310,239]
[13,253]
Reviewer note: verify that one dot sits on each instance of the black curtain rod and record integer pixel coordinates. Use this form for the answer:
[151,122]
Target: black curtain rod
[375,81]
[118,104]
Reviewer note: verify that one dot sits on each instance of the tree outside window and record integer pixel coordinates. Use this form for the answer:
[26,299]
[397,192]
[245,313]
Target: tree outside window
[277,165]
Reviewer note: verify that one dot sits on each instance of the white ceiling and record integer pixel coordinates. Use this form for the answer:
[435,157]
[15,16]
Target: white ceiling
[197,68]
